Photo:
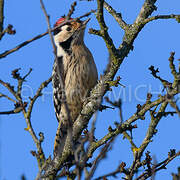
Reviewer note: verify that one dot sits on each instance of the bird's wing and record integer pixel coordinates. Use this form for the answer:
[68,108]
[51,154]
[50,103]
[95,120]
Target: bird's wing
[57,87]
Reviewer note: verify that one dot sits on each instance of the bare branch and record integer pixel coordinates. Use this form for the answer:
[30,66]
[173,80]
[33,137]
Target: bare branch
[175,106]
[102,87]
[10,112]
[18,107]
[117,16]
[152,129]
[172,66]
[101,156]
[20,79]
[38,94]
[122,128]
[144,109]
[7,52]
[49,26]
[27,115]
[120,169]
[3,95]
[11,89]
[71,11]
[146,10]
[171,16]
[130,139]
[8,30]
[158,167]
[21,106]
[1,15]
[104,29]
[117,104]
[100,15]
[176,176]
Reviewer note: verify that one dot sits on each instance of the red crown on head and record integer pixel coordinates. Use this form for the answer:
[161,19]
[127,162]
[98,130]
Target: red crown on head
[60,20]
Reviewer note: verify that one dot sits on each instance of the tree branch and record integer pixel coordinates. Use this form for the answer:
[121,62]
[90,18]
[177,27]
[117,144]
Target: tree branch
[172,67]
[38,94]
[11,89]
[102,87]
[27,115]
[9,30]
[104,28]
[120,169]
[154,119]
[152,129]
[21,106]
[119,130]
[146,10]
[117,16]
[3,95]
[1,15]
[158,167]
[10,112]
[101,155]
[171,16]
[7,52]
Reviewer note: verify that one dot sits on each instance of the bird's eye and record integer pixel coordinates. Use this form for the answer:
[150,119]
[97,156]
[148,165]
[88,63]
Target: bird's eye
[68,28]
[56,31]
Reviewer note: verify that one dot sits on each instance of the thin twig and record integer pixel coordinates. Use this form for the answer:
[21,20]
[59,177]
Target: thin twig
[129,138]
[21,80]
[175,106]
[101,156]
[21,106]
[27,116]
[9,30]
[158,167]
[103,32]
[107,137]
[38,94]
[1,15]
[171,16]
[117,104]
[117,16]
[3,95]
[91,138]
[7,52]
[9,112]
[71,11]
[173,68]
[151,130]
[11,89]
[119,169]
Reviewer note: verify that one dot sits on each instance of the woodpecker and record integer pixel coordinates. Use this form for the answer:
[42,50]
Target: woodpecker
[77,69]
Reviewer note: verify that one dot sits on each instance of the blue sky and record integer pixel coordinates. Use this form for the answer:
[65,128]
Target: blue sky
[152,47]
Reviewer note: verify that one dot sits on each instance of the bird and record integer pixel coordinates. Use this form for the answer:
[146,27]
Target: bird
[77,70]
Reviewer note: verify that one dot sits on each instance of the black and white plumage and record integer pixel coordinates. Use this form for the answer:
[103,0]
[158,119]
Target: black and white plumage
[77,69]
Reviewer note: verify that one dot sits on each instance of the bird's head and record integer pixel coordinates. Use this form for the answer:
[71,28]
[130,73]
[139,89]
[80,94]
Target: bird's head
[70,31]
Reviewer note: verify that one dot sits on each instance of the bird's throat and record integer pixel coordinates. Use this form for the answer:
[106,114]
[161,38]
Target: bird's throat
[66,45]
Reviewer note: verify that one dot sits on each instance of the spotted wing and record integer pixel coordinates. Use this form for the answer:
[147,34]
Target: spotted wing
[57,87]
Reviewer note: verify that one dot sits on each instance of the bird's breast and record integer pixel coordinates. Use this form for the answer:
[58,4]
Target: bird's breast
[80,77]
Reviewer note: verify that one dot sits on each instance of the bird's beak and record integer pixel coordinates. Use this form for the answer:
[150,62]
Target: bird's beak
[86,21]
